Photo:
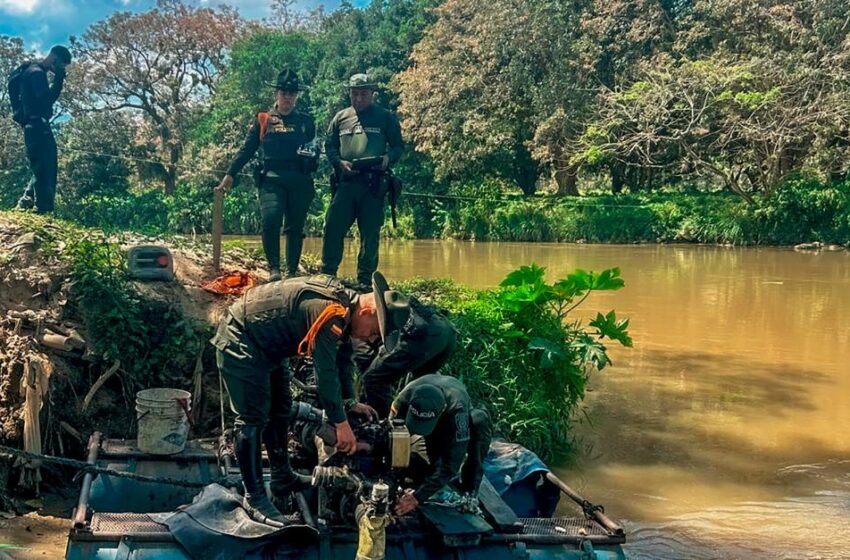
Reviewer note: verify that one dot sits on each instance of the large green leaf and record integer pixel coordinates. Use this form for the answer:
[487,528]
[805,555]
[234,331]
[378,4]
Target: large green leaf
[609,326]
[532,274]
[552,352]
[591,351]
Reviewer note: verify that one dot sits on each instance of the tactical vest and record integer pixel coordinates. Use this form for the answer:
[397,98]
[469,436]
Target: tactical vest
[357,140]
[280,140]
[269,312]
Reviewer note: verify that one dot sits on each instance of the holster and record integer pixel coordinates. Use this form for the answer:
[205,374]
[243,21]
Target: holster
[334,182]
[394,186]
[259,175]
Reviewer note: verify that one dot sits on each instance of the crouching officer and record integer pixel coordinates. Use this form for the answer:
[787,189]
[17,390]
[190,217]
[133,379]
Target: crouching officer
[288,157]
[417,339]
[362,142]
[457,436]
[313,316]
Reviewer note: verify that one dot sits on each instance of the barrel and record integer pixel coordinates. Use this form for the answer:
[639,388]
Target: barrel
[162,416]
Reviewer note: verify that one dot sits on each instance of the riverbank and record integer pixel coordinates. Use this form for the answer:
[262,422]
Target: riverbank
[802,211]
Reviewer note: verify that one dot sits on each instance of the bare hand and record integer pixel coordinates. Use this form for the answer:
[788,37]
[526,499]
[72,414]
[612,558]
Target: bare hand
[385,162]
[364,409]
[347,167]
[345,440]
[406,503]
[226,183]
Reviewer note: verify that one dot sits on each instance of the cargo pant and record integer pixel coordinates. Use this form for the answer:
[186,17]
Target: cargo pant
[359,200]
[41,153]
[285,198]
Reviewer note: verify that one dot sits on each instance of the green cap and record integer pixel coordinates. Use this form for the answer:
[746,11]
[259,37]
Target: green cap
[393,310]
[426,405]
[360,81]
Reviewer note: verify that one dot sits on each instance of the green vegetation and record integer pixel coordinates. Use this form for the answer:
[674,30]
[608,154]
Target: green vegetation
[696,121]
[522,355]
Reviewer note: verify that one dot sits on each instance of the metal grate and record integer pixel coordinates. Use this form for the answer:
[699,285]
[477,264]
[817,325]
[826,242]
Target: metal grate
[125,524]
[577,527]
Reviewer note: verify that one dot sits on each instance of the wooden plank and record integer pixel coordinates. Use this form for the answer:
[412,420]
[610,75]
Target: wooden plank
[218,211]
[500,514]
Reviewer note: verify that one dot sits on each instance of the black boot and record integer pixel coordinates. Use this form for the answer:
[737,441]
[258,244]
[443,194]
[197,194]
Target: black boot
[256,502]
[284,480]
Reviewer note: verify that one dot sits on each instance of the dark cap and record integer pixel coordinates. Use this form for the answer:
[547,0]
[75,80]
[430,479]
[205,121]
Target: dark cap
[287,80]
[61,53]
[427,403]
[393,309]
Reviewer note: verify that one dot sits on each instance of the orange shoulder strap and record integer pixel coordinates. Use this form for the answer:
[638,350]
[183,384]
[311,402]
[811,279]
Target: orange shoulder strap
[308,343]
[264,124]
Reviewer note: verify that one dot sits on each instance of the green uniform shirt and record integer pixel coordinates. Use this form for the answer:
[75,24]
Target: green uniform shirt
[448,443]
[275,317]
[373,132]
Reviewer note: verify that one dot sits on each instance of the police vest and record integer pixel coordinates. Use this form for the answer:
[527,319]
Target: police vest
[269,312]
[280,138]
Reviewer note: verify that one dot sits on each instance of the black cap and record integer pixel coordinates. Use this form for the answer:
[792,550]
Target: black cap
[427,403]
[287,80]
[61,53]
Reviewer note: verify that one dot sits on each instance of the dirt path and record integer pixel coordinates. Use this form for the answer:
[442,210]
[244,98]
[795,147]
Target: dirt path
[38,536]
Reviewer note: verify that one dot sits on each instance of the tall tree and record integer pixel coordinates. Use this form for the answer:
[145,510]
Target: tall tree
[163,63]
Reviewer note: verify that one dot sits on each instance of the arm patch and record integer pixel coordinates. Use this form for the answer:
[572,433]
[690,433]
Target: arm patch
[462,426]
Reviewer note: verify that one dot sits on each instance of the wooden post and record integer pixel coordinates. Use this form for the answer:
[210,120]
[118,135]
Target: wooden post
[218,210]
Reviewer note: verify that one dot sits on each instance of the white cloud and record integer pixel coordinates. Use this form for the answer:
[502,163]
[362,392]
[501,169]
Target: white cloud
[19,6]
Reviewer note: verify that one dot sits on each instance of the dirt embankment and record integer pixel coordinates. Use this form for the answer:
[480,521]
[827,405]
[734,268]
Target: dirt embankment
[57,384]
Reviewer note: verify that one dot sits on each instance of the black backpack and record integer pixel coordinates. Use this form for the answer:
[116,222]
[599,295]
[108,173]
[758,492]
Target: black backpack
[15,85]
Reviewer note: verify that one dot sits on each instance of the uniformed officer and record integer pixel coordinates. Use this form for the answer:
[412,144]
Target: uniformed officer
[457,436]
[418,340]
[313,316]
[362,142]
[288,158]
[37,99]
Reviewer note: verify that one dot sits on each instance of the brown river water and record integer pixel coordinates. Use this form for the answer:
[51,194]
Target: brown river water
[725,432]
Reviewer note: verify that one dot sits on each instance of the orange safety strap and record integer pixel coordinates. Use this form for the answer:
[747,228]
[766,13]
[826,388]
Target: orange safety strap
[264,125]
[308,344]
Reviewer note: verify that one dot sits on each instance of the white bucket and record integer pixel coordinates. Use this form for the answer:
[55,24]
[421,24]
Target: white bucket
[162,416]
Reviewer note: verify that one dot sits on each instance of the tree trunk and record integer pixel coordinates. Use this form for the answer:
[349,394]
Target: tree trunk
[616,179]
[566,181]
[171,170]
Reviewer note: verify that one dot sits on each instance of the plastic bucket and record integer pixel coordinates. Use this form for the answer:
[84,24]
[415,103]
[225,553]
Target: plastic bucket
[162,416]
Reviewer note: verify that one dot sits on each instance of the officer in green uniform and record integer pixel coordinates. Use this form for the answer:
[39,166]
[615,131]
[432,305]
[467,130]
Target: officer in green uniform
[313,316]
[362,142]
[418,340]
[457,436]
[288,158]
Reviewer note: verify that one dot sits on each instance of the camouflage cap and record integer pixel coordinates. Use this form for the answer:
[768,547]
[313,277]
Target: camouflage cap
[360,81]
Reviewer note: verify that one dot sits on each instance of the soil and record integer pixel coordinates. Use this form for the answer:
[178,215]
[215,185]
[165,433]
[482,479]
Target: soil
[37,303]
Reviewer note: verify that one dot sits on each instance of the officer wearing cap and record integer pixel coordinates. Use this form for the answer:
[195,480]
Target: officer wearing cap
[417,339]
[37,99]
[310,316]
[457,436]
[362,141]
[288,158]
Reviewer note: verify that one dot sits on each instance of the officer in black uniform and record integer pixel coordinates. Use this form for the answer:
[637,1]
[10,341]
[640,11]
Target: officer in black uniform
[418,340]
[311,316]
[285,138]
[457,436]
[37,99]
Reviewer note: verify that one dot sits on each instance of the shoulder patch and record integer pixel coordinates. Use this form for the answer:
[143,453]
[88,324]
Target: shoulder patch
[462,427]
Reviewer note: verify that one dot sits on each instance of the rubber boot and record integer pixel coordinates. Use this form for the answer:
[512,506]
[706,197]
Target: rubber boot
[284,480]
[256,502]
[274,274]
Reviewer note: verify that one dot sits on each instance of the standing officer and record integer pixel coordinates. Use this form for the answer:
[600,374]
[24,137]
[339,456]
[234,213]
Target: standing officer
[33,109]
[310,316]
[417,339]
[457,436]
[284,177]
[362,142]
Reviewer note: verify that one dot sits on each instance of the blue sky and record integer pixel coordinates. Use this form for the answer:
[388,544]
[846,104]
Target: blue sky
[43,23]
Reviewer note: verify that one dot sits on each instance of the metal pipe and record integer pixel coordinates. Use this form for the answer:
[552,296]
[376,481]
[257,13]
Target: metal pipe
[586,506]
[83,503]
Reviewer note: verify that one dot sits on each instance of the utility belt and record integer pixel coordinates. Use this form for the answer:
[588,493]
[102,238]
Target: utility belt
[381,183]
[287,166]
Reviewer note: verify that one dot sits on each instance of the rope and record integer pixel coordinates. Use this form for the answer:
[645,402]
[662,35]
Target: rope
[433,196]
[83,466]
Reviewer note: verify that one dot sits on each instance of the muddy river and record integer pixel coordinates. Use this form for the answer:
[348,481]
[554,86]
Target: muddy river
[725,431]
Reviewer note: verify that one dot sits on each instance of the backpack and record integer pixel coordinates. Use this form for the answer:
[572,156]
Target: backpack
[15,85]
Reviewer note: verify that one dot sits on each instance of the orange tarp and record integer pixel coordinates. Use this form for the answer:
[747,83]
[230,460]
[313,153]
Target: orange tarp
[233,283]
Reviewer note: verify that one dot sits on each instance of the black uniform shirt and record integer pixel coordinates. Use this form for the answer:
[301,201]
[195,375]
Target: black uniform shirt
[38,97]
[283,137]
[448,443]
